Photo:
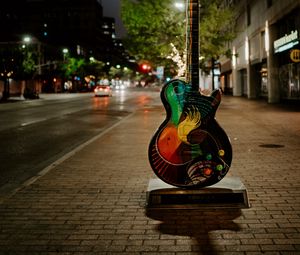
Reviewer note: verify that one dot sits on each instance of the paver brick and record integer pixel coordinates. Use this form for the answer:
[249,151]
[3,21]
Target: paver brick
[94,201]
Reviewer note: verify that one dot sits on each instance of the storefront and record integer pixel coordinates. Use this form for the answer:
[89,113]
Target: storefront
[243,75]
[287,52]
[263,92]
[261,79]
[226,77]
[289,73]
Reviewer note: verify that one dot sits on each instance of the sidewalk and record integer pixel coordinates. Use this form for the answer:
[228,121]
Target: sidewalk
[93,201]
[48,96]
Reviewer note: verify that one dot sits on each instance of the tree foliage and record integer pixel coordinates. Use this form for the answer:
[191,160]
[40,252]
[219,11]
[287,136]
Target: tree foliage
[17,62]
[215,28]
[28,64]
[94,67]
[72,67]
[153,25]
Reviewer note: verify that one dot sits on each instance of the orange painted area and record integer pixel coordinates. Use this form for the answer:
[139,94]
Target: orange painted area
[168,145]
[207,171]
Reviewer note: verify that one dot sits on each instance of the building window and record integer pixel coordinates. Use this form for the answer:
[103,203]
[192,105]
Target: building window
[248,15]
[289,81]
[269,3]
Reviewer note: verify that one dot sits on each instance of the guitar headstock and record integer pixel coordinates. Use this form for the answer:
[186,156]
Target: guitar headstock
[216,98]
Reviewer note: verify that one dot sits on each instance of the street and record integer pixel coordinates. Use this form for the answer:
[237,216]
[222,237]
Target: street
[93,202]
[35,133]
[98,157]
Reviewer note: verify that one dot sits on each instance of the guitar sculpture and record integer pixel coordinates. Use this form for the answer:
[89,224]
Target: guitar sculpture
[190,149]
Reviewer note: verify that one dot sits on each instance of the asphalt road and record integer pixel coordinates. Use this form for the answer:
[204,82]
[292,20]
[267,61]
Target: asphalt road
[35,133]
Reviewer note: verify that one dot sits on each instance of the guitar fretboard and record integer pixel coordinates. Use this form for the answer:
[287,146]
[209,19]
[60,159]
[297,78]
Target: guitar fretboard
[192,43]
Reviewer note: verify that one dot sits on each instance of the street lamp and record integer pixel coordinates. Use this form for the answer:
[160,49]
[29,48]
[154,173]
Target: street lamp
[65,52]
[27,39]
[179,5]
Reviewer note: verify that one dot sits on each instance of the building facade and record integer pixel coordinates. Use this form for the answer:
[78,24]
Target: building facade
[57,29]
[265,58]
[73,24]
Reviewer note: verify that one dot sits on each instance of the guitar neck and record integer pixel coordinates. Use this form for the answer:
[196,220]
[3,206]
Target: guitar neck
[192,43]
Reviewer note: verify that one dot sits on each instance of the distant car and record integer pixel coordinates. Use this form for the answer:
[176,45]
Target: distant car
[120,87]
[102,90]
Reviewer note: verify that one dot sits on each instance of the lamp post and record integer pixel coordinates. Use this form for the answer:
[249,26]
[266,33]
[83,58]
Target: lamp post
[65,52]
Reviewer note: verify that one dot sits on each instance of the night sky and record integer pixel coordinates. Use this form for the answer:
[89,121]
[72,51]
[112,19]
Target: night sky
[111,8]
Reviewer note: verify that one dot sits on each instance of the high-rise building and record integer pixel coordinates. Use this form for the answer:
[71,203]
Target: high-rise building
[60,27]
[75,24]
[78,25]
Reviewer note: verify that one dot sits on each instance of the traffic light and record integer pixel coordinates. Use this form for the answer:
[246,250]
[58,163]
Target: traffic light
[144,67]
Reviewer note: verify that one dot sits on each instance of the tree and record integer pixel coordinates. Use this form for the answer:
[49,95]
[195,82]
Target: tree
[215,31]
[94,67]
[17,63]
[153,25]
[28,64]
[215,28]
[72,66]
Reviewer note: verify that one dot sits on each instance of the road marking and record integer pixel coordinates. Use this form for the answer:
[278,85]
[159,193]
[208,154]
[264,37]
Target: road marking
[32,122]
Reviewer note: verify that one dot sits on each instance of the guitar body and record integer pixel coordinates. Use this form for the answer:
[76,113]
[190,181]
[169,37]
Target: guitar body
[189,149]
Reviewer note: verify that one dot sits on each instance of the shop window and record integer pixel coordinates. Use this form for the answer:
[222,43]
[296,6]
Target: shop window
[289,81]
[264,80]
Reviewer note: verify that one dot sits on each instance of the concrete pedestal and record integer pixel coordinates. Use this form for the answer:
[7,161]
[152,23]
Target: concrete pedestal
[230,192]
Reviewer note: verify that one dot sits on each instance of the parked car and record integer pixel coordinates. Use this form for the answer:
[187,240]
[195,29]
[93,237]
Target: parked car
[102,90]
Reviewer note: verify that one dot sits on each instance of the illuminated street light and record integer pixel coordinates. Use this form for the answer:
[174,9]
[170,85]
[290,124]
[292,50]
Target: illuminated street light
[27,39]
[65,52]
[179,5]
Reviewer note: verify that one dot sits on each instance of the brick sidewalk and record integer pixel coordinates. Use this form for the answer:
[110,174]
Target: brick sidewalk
[93,202]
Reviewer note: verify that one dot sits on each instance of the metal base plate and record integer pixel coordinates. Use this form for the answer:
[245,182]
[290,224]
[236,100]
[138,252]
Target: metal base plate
[230,192]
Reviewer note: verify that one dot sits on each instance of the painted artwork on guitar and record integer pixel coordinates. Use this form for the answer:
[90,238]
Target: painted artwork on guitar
[190,149]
